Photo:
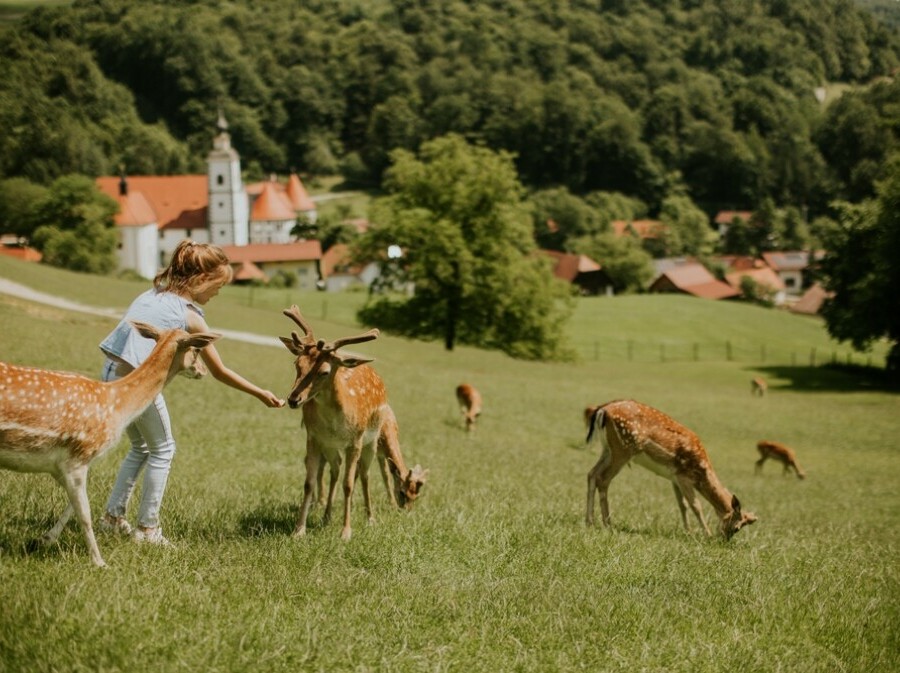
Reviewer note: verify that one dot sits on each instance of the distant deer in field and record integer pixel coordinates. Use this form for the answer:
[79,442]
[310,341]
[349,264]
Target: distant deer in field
[783,454]
[758,386]
[469,404]
[631,431]
[58,422]
[345,411]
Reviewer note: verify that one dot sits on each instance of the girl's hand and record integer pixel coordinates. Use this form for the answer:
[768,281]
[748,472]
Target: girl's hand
[272,400]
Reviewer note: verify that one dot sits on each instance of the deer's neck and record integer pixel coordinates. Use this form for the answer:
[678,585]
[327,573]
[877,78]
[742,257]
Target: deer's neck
[135,391]
[715,493]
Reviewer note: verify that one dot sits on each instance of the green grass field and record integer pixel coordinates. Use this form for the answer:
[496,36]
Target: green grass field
[494,569]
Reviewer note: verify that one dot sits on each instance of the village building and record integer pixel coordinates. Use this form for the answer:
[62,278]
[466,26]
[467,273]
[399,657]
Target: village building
[156,212]
[694,279]
[581,271]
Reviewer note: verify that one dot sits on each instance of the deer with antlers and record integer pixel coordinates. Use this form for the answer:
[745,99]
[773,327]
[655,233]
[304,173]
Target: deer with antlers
[469,400]
[348,420]
[631,431]
[781,453]
[58,422]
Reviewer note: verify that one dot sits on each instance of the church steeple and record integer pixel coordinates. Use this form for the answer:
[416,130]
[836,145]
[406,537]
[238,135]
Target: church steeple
[228,210]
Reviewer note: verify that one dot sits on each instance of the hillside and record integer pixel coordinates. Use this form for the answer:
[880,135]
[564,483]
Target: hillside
[633,328]
[639,97]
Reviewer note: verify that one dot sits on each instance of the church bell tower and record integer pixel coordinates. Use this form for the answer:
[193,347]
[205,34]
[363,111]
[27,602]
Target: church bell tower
[228,210]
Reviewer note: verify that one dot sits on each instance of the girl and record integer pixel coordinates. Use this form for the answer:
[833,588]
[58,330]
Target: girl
[195,275]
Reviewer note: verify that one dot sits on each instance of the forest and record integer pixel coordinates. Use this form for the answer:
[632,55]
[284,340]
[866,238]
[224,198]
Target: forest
[732,103]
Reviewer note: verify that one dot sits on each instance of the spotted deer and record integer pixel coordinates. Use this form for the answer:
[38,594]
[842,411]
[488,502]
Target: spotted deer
[348,420]
[631,431]
[58,422]
[469,404]
[783,454]
[758,386]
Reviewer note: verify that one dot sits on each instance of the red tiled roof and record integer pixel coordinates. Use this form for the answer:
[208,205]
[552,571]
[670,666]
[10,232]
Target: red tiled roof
[694,279]
[811,301]
[727,216]
[641,228]
[568,266]
[134,211]
[179,201]
[248,271]
[794,260]
[297,195]
[271,205]
[23,252]
[763,276]
[260,253]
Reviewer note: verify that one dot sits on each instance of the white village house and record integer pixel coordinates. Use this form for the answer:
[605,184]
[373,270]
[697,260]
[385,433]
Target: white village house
[156,212]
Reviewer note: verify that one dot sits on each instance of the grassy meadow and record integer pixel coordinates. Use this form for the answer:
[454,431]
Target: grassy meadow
[494,569]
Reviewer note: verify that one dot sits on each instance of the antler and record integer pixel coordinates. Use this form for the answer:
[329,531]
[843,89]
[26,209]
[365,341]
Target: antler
[294,314]
[346,341]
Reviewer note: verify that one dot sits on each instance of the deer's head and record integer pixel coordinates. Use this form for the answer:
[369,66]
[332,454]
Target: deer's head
[317,361]
[187,360]
[407,487]
[736,519]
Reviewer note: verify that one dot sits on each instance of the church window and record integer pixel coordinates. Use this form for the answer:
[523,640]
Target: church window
[220,179]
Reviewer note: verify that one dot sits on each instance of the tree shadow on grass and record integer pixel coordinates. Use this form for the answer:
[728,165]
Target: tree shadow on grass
[830,378]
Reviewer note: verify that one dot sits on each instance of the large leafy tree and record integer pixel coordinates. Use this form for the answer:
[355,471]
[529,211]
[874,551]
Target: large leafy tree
[75,227]
[861,270]
[457,213]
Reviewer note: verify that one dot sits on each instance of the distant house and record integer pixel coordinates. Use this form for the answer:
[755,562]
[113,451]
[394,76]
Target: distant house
[810,303]
[762,276]
[693,279]
[11,247]
[640,229]
[725,218]
[790,267]
[298,260]
[581,271]
[339,273]
[156,212]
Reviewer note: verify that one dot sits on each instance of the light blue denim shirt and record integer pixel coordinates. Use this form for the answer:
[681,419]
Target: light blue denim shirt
[164,310]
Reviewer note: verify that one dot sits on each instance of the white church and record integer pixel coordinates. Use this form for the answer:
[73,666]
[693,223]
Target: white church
[252,223]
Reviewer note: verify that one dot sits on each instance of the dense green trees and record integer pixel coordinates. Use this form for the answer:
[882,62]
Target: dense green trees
[74,227]
[713,100]
[456,212]
[861,270]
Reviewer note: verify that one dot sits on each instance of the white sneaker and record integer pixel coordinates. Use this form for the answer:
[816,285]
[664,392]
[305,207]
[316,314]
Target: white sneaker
[114,524]
[151,536]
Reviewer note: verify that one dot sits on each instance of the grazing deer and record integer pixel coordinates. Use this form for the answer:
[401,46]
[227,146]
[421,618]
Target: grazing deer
[630,431]
[783,454]
[469,404]
[345,411]
[758,386]
[58,422]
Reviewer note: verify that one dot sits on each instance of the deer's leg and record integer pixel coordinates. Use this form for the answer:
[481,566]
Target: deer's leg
[759,464]
[385,470]
[313,457]
[599,478]
[690,495]
[335,468]
[321,493]
[75,483]
[364,463]
[349,481]
[682,506]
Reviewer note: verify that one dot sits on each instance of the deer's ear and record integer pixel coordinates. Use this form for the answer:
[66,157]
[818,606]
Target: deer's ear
[146,329]
[291,345]
[201,339]
[735,503]
[354,361]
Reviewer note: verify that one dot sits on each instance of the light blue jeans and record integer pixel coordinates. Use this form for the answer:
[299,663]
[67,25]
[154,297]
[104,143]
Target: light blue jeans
[152,450]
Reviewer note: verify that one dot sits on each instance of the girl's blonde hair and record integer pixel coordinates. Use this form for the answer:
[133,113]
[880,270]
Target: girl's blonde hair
[194,264]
